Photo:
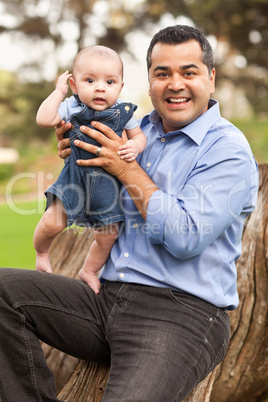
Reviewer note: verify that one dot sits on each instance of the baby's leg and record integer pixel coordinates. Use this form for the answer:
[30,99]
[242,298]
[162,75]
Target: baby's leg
[98,255]
[52,223]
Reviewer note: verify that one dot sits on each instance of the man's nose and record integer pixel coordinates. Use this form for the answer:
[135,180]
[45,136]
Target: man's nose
[176,82]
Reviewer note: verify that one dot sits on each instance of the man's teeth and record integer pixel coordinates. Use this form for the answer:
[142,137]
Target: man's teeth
[176,100]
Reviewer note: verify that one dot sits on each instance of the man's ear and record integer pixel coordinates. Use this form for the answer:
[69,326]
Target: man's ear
[212,81]
[72,85]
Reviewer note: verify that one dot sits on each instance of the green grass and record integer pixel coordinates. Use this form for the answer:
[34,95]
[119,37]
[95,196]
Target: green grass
[18,223]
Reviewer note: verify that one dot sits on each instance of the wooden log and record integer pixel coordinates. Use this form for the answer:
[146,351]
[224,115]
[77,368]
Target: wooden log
[68,253]
[89,380]
[243,375]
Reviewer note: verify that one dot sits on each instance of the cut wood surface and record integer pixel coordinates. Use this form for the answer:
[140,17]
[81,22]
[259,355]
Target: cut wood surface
[243,375]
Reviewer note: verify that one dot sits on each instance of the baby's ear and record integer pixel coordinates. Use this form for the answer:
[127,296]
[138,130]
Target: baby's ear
[72,85]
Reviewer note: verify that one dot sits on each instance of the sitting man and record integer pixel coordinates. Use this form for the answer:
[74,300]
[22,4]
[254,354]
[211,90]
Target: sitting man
[160,319]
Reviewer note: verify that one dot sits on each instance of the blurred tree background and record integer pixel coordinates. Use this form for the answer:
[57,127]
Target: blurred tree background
[39,39]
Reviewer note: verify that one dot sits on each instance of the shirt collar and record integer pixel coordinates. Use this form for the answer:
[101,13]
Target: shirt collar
[199,127]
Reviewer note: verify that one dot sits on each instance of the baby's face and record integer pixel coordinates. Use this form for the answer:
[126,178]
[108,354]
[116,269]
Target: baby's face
[98,81]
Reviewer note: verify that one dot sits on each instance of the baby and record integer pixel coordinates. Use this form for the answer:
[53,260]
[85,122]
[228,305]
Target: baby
[87,195]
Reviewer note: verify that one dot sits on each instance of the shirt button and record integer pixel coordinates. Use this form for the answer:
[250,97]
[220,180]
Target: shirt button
[148,164]
[126,255]
[122,275]
[135,225]
[163,139]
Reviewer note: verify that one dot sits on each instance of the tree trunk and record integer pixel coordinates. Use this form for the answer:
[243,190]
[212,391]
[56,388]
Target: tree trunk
[88,384]
[68,253]
[243,375]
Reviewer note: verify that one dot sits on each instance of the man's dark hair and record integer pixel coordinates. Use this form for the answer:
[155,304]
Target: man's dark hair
[177,34]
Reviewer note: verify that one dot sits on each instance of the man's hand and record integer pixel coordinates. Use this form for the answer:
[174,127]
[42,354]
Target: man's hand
[108,157]
[63,147]
[139,186]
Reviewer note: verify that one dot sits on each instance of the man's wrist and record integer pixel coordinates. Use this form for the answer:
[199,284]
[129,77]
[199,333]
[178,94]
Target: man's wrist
[139,186]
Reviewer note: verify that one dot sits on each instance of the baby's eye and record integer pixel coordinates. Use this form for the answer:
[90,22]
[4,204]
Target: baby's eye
[90,80]
[110,82]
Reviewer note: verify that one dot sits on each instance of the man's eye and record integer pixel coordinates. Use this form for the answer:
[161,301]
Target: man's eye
[189,73]
[162,74]
[90,80]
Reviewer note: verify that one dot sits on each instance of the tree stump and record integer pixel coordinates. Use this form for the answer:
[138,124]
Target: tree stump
[68,253]
[243,375]
[88,384]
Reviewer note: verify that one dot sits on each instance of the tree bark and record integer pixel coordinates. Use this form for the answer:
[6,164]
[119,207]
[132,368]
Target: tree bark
[243,375]
[88,384]
[68,253]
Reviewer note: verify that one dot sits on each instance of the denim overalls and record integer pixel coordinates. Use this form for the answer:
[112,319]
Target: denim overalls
[89,194]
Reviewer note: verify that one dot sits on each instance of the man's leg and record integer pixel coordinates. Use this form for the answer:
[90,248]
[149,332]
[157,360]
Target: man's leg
[63,312]
[162,344]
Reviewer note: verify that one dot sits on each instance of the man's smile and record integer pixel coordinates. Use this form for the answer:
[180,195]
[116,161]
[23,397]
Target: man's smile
[177,100]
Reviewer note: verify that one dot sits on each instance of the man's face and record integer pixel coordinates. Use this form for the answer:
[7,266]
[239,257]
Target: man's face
[180,85]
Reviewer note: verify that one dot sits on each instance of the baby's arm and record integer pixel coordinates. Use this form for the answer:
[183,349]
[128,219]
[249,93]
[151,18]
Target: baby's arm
[134,146]
[47,115]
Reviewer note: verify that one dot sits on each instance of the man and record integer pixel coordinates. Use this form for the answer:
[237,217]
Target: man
[160,319]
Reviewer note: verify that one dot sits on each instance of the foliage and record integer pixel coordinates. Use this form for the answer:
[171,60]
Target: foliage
[242,24]
[256,131]
[239,25]
[18,106]
[6,172]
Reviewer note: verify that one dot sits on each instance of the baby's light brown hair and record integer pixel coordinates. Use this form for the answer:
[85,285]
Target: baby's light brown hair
[97,51]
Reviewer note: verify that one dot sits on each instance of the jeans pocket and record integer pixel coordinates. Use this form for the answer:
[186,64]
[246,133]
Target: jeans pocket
[193,303]
[97,170]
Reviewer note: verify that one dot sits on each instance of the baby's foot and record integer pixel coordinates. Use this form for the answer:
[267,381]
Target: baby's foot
[43,263]
[91,279]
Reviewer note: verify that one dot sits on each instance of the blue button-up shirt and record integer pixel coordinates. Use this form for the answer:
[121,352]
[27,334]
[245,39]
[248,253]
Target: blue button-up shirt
[208,181]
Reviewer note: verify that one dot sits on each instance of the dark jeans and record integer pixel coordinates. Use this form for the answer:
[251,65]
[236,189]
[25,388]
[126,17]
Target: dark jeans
[159,343]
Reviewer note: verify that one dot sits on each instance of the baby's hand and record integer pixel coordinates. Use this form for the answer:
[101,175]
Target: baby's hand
[129,151]
[62,83]
[91,279]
